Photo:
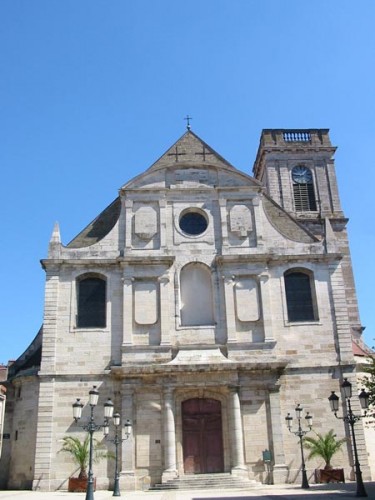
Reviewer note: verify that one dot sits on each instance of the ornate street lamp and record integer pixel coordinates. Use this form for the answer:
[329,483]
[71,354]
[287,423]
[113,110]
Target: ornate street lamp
[92,427]
[300,433]
[350,418]
[117,440]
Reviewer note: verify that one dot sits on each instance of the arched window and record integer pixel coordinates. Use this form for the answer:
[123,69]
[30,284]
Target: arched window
[299,296]
[303,189]
[91,308]
[196,295]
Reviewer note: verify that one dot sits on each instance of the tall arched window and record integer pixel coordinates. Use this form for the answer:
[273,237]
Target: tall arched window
[196,295]
[299,296]
[303,189]
[91,310]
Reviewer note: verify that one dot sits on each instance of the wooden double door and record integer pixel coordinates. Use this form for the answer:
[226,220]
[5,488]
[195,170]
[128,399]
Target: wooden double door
[202,436]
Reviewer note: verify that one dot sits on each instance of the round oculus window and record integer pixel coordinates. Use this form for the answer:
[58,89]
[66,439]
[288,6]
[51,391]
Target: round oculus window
[193,223]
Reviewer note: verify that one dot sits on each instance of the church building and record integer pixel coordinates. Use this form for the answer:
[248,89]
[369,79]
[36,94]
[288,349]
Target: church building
[206,303]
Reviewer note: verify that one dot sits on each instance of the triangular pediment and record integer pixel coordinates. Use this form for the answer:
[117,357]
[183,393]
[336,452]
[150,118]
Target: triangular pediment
[190,150]
[189,159]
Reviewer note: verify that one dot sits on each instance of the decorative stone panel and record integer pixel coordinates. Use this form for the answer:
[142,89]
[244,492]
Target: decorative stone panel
[246,298]
[145,302]
[241,222]
[145,222]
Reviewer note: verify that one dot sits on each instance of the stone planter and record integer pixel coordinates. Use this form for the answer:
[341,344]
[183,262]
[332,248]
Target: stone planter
[77,485]
[329,476]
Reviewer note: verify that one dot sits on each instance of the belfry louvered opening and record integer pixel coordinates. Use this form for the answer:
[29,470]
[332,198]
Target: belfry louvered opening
[304,198]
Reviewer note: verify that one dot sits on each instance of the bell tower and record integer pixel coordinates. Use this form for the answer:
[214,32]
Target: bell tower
[296,168]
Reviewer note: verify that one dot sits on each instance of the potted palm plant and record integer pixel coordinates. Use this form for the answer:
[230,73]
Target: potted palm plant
[79,452]
[325,446]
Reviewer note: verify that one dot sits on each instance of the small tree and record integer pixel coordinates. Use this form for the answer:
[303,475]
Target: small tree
[323,446]
[80,451]
[369,383]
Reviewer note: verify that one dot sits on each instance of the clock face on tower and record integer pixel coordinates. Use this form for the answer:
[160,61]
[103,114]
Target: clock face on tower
[302,175]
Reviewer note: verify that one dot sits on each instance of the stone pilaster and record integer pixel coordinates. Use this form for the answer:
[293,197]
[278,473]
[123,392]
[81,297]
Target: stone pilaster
[50,319]
[343,338]
[280,469]
[127,474]
[230,309]
[224,223]
[128,223]
[44,438]
[164,310]
[163,222]
[128,311]
[258,208]
[266,307]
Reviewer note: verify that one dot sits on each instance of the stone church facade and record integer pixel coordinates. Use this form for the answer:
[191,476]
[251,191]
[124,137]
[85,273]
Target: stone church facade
[206,303]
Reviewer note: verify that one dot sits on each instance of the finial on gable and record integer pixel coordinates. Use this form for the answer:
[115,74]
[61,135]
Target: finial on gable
[55,242]
[55,238]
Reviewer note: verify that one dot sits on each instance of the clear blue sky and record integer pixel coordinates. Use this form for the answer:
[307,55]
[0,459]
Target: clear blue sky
[92,92]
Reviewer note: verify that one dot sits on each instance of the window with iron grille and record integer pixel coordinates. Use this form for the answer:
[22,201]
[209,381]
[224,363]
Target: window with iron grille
[91,303]
[299,296]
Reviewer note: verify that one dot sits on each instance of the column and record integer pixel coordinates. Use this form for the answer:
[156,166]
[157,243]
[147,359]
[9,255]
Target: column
[170,466]
[236,434]
[280,469]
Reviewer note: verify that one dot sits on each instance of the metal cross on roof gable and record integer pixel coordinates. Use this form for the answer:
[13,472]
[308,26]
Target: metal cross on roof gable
[188,118]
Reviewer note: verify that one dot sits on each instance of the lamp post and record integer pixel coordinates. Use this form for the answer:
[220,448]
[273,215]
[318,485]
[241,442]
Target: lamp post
[300,433]
[117,440]
[351,419]
[92,427]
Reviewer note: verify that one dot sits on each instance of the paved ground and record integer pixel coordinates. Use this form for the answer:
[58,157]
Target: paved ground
[292,492]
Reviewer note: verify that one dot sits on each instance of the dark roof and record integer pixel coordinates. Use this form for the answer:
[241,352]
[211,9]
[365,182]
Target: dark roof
[99,227]
[30,359]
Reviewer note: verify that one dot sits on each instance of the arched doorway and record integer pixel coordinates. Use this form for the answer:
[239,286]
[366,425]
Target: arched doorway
[202,436]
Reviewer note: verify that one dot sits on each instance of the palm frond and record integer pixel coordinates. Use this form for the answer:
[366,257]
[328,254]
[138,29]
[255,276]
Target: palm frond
[80,450]
[324,446]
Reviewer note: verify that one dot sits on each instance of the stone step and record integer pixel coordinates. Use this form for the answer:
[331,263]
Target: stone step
[206,481]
